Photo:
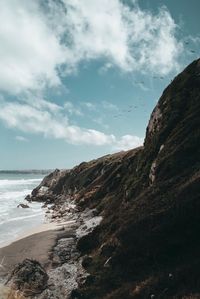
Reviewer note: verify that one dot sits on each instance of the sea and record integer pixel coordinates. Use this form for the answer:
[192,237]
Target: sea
[14,221]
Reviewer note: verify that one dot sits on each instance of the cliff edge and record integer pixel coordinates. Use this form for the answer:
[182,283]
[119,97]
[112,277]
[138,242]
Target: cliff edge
[147,245]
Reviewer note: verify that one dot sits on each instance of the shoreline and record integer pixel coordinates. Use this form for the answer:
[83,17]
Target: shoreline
[44,227]
[36,244]
[56,250]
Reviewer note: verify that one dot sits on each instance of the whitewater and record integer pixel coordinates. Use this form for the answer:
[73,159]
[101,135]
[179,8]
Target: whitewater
[15,221]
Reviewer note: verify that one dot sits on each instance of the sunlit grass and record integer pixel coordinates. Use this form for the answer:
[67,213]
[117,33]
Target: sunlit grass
[7,293]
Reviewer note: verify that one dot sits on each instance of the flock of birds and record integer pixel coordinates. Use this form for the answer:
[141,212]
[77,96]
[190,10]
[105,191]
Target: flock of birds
[131,108]
[187,43]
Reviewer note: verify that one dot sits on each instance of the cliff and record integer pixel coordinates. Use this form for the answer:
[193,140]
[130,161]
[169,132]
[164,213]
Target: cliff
[147,245]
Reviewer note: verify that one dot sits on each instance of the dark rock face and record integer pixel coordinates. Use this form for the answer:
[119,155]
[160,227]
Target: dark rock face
[153,212]
[49,189]
[29,277]
[84,183]
[23,206]
[148,244]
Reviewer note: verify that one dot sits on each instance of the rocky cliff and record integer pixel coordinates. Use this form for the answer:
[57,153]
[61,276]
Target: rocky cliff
[147,245]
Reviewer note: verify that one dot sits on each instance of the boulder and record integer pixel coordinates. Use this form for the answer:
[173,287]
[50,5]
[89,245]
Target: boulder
[29,277]
[22,205]
[28,198]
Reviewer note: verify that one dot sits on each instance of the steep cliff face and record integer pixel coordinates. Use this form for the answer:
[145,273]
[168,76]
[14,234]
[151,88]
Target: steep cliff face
[148,244]
[173,130]
[89,183]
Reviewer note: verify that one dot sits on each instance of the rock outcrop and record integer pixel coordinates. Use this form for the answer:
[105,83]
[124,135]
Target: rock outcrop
[23,206]
[152,215]
[147,245]
[29,277]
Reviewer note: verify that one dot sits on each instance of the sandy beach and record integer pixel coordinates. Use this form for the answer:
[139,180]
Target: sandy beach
[37,244]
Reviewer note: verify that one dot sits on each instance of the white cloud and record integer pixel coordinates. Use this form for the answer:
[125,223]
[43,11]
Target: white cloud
[127,142]
[72,109]
[53,123]
[101,121]
[38,38]
[129,38]
[30,119]
[30,51]
[21,138]
[89,105]
[106,105]
[41,41]
[107,66]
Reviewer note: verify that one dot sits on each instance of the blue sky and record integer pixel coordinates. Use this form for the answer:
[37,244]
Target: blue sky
[79,79]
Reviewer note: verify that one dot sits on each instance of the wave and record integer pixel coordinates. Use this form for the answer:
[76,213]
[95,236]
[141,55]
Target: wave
[29,171]
[5,183]
[14,221]
[14,194]
[21,218]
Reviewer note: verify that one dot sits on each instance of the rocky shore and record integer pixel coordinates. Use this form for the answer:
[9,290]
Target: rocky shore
[55,250]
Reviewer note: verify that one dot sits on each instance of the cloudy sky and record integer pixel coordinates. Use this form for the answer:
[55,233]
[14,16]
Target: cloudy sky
[79,78]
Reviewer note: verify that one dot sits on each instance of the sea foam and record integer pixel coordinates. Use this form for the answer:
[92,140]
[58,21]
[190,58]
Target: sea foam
[16,221]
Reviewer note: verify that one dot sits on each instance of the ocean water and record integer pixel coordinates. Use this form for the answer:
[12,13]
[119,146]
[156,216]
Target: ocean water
[15,221]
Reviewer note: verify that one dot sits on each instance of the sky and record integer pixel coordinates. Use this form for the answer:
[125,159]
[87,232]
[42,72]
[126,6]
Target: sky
[80,78]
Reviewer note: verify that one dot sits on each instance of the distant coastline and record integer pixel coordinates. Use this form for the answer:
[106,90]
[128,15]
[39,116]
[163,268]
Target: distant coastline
[27,171]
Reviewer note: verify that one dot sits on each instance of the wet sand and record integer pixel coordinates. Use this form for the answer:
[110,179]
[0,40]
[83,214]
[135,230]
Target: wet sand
[36,246]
